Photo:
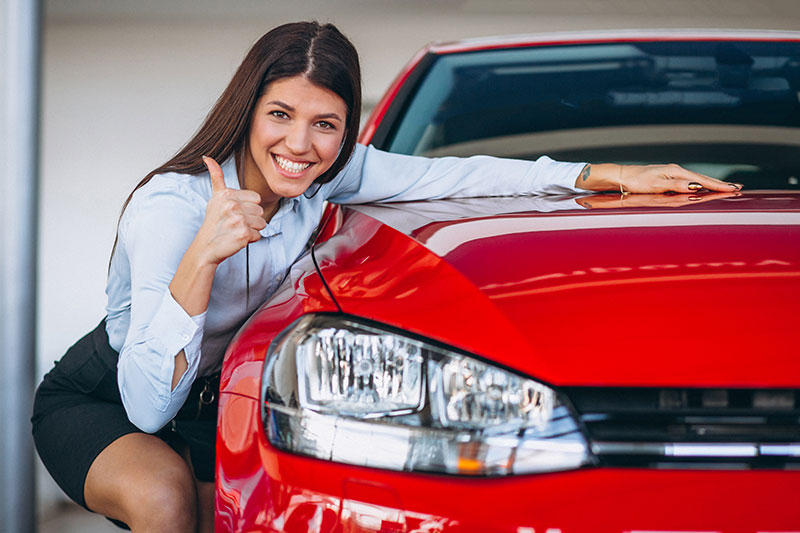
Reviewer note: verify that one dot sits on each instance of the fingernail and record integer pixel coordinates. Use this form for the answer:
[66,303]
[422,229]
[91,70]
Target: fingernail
[695,198]
[694,186]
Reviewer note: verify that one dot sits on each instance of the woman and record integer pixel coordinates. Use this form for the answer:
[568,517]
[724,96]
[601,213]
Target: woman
[125,422]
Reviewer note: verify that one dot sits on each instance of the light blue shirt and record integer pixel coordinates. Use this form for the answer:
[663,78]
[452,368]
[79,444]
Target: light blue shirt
[149,328]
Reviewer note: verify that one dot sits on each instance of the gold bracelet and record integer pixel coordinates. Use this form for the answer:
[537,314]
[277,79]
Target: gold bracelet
[622,191]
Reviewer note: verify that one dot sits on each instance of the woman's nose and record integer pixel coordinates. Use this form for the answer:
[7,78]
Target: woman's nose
[298,139]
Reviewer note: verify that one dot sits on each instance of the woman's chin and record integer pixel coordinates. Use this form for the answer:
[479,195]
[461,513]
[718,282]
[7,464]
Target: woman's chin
[291,192]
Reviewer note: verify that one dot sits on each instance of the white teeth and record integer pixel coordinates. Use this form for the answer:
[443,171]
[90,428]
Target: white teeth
[290,166]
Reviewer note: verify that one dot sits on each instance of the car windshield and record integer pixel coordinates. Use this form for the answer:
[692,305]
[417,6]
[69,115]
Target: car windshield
[727,109]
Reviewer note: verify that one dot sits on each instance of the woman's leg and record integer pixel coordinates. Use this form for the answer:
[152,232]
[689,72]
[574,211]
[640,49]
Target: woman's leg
[205,501]
[141,481]
[102,461]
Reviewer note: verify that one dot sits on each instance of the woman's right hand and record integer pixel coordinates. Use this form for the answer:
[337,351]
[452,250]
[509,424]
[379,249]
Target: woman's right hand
[233,218]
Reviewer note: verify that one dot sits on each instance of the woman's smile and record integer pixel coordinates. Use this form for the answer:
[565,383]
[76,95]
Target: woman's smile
[291,167]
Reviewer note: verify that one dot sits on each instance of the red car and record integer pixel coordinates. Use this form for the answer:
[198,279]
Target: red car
[543,365]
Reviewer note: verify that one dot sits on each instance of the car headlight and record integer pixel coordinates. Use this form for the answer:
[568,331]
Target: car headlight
[344,391]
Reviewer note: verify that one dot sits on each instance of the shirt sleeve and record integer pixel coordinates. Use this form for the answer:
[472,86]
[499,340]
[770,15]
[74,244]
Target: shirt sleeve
[158,226]
[372,175]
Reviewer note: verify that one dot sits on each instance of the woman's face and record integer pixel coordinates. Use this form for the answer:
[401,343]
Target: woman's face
[295,134]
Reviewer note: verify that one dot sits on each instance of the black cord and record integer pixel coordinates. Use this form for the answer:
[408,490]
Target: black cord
[247,276]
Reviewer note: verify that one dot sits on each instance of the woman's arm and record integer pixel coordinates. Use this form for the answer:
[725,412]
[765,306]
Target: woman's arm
[173,250]
[372,175]
[648,179]
[233,219]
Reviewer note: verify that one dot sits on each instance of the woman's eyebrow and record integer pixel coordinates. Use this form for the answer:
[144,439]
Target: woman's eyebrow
[330,115]
[281,104]
[290,108]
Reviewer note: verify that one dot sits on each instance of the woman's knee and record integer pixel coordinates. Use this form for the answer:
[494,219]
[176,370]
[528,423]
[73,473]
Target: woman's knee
[165,502]
[140,480]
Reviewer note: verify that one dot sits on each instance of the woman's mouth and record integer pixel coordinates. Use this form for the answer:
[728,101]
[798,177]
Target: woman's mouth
[290,167]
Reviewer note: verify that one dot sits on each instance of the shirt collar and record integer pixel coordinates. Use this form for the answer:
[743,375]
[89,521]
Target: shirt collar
[229,171]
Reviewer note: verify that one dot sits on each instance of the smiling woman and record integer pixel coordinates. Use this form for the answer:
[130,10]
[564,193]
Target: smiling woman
[296,133]
[200,244]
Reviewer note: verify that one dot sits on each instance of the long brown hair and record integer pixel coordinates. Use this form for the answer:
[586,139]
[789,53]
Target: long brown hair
[320,52]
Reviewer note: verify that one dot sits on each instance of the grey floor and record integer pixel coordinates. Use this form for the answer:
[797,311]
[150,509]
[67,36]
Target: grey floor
[70,518]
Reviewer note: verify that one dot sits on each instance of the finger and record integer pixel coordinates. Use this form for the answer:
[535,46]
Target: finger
[698,184]
[215,172]
[693,181]
[254,235]
[255,222]
[249,208]
[245,195]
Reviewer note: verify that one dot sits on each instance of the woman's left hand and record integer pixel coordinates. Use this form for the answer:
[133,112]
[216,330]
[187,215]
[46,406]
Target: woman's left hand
[649,179]
[665,178]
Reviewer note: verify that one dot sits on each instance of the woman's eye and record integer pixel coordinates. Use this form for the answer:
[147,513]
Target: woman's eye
[326,125]
[278,114]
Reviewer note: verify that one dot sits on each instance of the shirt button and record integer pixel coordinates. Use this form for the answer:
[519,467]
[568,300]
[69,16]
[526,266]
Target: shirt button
[185,337]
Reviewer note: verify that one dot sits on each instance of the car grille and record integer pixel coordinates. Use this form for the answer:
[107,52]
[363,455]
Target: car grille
[677,427]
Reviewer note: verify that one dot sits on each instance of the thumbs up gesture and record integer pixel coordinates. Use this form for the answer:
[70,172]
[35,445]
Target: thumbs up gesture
[233,217]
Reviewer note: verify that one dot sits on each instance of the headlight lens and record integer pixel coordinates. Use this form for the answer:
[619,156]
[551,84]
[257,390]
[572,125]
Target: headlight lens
[343,391]
[365,376]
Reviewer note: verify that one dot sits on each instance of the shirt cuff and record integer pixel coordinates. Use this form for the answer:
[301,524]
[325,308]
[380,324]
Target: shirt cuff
[175,330]
[559,176]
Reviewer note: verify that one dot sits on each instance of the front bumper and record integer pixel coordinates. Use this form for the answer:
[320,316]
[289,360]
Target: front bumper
[262,489]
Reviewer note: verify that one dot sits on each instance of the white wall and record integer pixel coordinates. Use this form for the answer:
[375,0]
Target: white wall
[126,83]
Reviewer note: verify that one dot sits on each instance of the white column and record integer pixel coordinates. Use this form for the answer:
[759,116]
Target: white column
[20,30]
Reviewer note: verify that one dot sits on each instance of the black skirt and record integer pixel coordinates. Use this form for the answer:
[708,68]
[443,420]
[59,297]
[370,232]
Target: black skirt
[77,413]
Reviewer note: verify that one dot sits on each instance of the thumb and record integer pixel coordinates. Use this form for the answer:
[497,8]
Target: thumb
[215,171]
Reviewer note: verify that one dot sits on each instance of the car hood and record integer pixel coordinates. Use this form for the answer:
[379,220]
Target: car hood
[699,295]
